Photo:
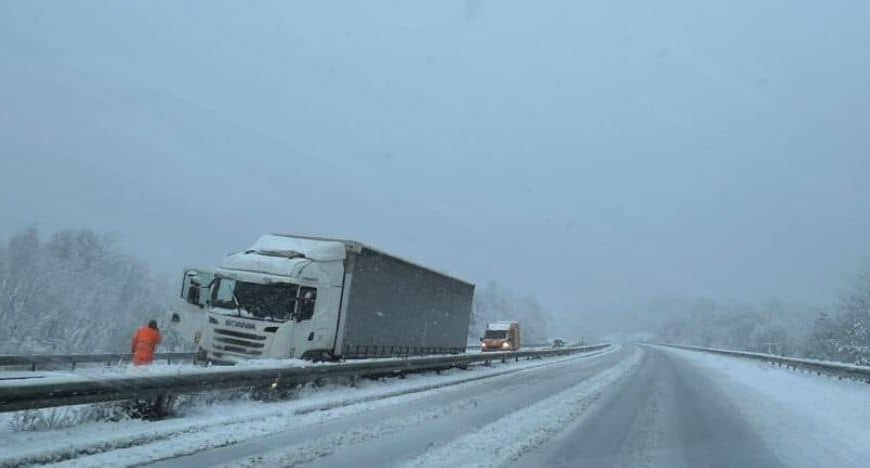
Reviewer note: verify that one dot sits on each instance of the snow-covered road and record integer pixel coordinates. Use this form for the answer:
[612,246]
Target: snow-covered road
[406,429]
[692,409]
[204,426]
[401,432]
[629,406]
[667,414]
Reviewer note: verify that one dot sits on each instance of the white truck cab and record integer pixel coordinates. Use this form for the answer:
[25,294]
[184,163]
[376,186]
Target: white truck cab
[277,299]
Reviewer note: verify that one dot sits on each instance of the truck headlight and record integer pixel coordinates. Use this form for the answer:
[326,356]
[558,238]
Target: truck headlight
[505,345]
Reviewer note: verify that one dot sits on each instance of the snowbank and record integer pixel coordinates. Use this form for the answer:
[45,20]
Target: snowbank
[806,419]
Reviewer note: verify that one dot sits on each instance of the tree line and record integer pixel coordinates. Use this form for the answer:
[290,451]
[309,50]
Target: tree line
[838,333]
[493,303]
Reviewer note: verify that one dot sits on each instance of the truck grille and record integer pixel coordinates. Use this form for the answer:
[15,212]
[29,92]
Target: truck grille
[238,334]
[236,342]
[238,350]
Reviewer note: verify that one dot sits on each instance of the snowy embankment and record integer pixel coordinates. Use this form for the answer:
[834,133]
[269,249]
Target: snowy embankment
[806,419]
[202,426]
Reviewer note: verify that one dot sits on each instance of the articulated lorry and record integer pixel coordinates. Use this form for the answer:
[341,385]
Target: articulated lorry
[320,299]
[501,336]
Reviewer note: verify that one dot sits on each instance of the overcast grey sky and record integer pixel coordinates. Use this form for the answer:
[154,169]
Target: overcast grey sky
[594,153]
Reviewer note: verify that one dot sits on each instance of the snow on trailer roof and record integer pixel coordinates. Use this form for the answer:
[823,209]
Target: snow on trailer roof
[500,325]
[357,247]
[321,250]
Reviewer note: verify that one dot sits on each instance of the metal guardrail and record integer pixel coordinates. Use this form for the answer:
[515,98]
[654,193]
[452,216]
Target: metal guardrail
[836,369]
[31,394]
[476,346]
[35,360]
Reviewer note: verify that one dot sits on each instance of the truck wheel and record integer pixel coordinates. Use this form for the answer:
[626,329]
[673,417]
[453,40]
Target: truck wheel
[317,356]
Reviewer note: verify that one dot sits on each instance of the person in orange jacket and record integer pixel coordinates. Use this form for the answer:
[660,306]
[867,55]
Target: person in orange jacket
[145,343]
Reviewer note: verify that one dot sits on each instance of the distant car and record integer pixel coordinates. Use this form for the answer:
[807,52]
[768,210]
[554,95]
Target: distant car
[558,343]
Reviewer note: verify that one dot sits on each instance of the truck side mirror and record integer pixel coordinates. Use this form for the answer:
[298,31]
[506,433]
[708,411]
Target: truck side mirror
[193,293]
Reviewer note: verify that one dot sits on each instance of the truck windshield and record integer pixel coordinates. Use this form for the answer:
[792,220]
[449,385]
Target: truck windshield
[272,302]
[495,334]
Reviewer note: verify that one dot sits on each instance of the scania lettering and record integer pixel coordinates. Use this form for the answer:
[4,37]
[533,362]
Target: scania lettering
[236,323]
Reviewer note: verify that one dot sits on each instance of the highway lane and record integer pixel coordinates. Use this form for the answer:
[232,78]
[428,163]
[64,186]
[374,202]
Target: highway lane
[631,406]
[391,434]
[666,414]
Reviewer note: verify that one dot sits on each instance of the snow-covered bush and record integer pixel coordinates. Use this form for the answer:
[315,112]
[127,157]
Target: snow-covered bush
[66,416]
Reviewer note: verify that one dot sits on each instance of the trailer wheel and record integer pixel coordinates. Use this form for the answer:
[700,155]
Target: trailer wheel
[318,355]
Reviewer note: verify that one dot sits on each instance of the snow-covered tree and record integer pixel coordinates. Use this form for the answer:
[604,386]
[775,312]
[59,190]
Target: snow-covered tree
[494,303]
[73,292]
[855,309]
[842,335]
[770,327]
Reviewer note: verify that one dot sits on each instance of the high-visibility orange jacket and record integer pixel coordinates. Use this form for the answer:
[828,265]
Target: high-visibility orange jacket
[144,345]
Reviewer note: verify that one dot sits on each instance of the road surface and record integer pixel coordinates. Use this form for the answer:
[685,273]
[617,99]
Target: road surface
[627,406]
[397,433]
[662,412]
[666,414]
